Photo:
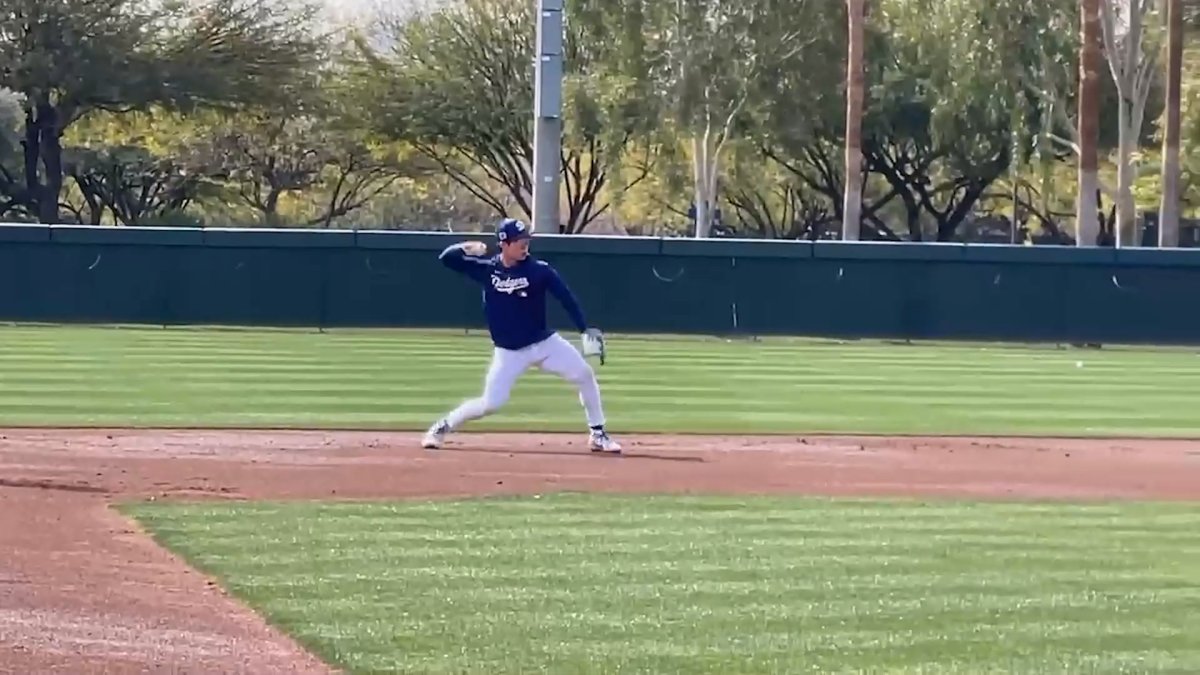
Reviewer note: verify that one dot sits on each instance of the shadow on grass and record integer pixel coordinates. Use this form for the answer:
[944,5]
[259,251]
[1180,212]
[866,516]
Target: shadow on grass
[574,453]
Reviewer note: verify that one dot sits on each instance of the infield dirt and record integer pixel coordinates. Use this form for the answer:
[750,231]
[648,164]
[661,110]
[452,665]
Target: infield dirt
[83,590]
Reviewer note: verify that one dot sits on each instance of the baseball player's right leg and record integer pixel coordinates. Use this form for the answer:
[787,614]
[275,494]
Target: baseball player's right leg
[502,374]
[562,359]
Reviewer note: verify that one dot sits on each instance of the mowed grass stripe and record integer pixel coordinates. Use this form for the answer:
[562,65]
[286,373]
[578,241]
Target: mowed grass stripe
[743,370]
[572,583]
[682,352]
[750,362]
[923,519]
[188,377]
[434,341]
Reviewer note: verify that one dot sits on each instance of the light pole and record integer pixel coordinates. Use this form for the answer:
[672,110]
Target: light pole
[547,107]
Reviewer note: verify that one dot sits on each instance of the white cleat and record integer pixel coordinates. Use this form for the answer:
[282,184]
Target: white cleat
[600,441]
[436,434]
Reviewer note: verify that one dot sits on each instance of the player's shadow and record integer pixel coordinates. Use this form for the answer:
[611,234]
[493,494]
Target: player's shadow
[575,453]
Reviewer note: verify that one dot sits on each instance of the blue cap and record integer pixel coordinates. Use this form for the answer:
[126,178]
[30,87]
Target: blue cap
[511,229]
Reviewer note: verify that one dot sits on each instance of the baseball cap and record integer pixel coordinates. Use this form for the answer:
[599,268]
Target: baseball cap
[511,229]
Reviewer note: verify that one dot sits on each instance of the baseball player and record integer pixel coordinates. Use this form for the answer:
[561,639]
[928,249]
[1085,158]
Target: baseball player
[514,299]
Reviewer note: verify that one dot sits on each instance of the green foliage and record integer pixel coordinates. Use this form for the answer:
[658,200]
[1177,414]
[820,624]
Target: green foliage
[431,201]
[936,132]
[310,163]
[118,55]
[69,58]
[132,184]
[764,200]
[134,169]
[717,67]
[11,183]
[247,112]
[1190,124]
[456,83]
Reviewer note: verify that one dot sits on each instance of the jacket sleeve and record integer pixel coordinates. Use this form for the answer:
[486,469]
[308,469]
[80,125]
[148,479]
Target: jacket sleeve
[559,289]
[457,259]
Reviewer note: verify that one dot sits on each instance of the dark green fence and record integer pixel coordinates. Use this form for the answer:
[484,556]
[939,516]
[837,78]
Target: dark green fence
[348,278]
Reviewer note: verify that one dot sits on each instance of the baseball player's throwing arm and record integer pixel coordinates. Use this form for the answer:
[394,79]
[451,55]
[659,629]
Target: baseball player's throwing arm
[467,259]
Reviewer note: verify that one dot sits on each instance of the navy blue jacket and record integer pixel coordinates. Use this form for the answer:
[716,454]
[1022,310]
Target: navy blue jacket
[514,298]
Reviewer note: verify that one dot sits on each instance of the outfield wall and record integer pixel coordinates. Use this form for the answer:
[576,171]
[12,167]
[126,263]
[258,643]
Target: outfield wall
[343,278]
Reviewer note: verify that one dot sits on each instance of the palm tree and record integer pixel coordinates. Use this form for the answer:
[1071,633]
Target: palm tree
[1168,211]
[855,90]
[1087,222]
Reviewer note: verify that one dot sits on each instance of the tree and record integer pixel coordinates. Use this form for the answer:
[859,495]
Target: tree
[799,122]
[938,131]
[855,92]
[1168,214]
[135,169]
[69,58]
[719,62]
[456,84]
[1131,45]
[953,106]
[132,184]
[309,156]
[763,200]
[266,157]
[314,152]
[11,118]
[1080,110]
[1054,80]
[428,202]
[1028,42]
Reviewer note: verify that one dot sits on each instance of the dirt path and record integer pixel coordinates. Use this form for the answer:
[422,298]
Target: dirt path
[82,591]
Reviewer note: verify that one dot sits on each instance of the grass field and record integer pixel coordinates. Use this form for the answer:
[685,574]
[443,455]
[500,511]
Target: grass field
[404,380]
[569,583]
[574,583]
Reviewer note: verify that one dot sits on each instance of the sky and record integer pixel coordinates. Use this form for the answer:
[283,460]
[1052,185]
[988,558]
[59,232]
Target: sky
[357,9]
[351,8]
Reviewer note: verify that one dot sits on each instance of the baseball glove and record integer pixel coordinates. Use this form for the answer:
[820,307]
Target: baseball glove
[593,344]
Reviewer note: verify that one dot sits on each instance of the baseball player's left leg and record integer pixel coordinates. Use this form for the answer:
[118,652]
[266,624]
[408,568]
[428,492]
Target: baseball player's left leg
[502,374]
[564,360]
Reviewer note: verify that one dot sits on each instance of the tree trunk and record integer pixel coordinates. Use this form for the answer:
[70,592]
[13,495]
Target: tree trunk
[1168,211]
[43,147]
[855,93]
[1014,172]
[700,184]
[1046,179]
[705,177]
[1087,223]
[1126,209]
[52,164]
[95,206]
[914,221]
[32,146]
[270,212]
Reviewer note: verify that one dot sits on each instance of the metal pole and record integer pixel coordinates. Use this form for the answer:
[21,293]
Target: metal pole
[547,106]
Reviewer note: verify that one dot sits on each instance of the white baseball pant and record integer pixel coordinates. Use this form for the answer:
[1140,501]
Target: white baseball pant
[553,355]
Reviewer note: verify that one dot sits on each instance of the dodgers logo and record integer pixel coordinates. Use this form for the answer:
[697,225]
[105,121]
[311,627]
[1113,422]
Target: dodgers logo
[511,285]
